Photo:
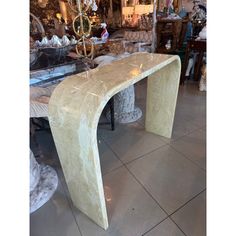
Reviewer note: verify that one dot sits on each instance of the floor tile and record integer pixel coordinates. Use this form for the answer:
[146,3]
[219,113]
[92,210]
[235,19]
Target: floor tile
[191,104]
[61,177]
[181,128]
[200,119]
[192,217]
[54,218]
[165,228]
[106,133]
[131,211]
[184,123]
[133,142]
[193,146]
[108,160]
[191,111]
[169,177]
[104,123]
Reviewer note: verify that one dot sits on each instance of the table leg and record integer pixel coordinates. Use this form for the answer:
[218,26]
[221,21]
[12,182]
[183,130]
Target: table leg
[185,65]
[76,142]
[112,113]
[198,66]
[162,91]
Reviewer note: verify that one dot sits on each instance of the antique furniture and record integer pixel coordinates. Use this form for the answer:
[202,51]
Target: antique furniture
[76,105]
[196,46]
[182,36]
[136,41]
[132,41]
[168,29]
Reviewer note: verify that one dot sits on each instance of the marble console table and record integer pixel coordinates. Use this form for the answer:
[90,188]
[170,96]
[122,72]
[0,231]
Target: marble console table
[76,105]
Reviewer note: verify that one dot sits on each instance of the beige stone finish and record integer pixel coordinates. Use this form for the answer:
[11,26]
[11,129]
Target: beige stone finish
[161,100]
[76,105]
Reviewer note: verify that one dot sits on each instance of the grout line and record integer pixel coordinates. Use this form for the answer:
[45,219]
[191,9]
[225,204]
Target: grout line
[69,201]
[114,154]
[186,157]
[178,226]
[143,156]
[146,190]
[187,133]
[160,223]
[116,168]
[154,226]
[158,202]
[72,211]
[168,215]
[125,165]
[139,157]
[197,127]
[200,126]
[187,202]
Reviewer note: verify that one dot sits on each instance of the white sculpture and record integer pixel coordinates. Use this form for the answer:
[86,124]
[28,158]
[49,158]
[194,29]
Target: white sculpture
[43,183]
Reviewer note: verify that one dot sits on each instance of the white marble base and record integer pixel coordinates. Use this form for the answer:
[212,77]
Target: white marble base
[124,106]
[127,117]
[43,183]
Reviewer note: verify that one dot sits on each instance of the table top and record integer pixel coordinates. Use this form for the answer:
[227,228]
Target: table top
[106,80]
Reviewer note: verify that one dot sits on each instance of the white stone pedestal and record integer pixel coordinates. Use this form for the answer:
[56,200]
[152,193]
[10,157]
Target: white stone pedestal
[124,107]
[43,183]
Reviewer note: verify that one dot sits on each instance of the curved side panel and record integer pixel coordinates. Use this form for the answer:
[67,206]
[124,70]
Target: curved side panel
[74,128]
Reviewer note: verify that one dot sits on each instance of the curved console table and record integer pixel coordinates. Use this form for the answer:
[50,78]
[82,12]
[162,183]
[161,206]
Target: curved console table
[76,105]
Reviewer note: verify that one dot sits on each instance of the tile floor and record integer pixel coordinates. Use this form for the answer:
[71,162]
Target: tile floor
[154,186]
